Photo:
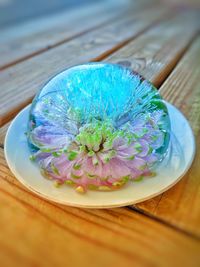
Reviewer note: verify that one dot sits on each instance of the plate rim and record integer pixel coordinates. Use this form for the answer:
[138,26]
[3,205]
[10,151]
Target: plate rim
[114,205]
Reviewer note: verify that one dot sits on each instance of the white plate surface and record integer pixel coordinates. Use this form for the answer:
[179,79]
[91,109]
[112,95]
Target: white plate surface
[168,174]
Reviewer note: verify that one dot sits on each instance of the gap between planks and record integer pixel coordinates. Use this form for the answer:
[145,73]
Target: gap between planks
[137,208]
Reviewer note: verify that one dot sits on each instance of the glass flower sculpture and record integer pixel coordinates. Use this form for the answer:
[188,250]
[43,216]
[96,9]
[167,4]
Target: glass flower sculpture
[97,126]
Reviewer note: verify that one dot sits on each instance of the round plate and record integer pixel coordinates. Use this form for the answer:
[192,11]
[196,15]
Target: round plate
[176,164]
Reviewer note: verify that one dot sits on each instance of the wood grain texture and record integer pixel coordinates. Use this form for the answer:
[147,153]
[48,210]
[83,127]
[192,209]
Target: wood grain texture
[180,206]
[25,40]
[181,89]
[35,232]
[163,231]
[155,53]
[22,81]
[3,131]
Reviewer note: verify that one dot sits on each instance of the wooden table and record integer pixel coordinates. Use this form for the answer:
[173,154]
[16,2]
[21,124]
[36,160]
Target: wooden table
[162,43]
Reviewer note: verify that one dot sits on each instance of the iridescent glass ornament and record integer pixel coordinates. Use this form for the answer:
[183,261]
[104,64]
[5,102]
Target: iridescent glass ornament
[98,126]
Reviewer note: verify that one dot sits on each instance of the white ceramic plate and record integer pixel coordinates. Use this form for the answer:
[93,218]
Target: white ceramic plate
[175,165]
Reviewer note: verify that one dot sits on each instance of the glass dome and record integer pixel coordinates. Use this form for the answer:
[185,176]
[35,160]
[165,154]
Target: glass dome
[98,126]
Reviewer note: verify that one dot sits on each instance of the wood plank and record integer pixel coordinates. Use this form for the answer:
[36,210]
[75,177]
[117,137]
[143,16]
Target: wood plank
[32,227]
[156,52]
[180,206]
[25,40]
[22,81]
[16,12]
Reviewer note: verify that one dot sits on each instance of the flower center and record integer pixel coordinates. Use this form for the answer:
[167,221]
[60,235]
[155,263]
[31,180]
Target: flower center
[98,137]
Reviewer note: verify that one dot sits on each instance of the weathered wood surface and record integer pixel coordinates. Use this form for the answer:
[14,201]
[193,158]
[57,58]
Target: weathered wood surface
[180,206]
[40,233]
[25,40]
[3,131]
[152,54]
[30,75]
[163,231]
[139,50]
[155,53]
